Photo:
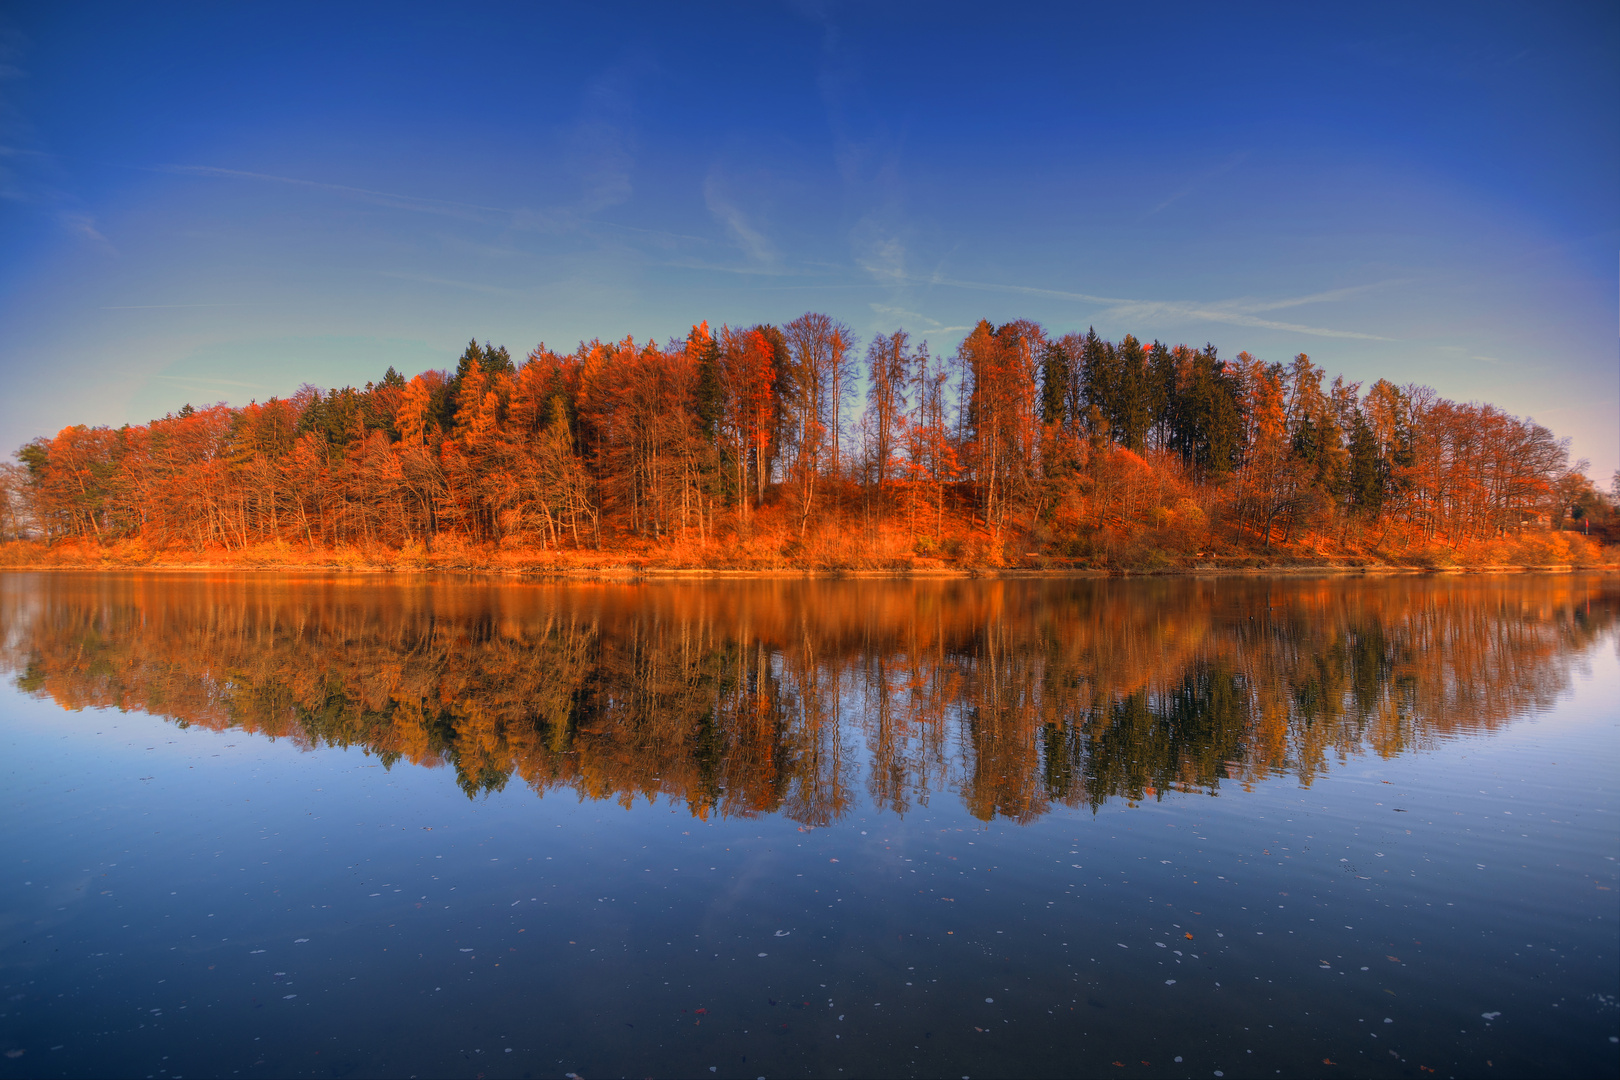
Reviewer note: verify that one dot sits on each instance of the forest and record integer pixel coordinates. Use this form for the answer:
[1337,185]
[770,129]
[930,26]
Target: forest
[783,447]
[804,696]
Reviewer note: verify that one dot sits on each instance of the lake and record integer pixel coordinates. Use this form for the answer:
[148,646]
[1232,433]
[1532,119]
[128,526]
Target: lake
[350,825]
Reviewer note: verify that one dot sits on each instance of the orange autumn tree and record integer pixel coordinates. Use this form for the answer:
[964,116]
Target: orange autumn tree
[751,404]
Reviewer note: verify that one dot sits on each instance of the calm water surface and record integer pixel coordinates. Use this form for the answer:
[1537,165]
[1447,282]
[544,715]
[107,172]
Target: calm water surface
[344,826]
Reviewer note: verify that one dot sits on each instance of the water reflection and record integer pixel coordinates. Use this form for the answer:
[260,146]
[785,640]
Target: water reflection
[788,697]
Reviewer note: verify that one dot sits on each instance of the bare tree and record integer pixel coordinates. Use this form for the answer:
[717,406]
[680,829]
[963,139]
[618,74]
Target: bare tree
[889,360]
[821,349]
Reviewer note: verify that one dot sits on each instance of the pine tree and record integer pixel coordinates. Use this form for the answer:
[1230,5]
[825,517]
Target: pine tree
[1369,472]
[1055,379]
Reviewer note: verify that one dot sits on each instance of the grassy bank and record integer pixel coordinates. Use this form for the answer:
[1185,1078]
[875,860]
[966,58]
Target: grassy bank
[877,550]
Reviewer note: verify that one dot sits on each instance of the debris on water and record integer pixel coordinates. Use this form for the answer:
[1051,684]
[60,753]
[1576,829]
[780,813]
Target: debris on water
[1488,1016]
[300,941]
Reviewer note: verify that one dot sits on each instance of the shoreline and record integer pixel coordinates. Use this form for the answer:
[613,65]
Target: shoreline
[631,573]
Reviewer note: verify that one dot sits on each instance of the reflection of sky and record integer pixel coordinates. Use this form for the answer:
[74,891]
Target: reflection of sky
[220,203]
[208,902]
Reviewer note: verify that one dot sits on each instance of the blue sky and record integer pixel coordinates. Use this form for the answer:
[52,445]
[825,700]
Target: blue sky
[220,202]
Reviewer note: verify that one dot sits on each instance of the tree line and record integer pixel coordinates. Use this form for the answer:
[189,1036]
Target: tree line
[1021,440]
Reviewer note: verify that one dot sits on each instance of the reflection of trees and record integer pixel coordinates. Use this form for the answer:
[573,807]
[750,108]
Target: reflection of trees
[742,698]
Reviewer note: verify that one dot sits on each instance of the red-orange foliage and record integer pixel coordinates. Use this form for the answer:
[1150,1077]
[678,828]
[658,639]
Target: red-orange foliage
[725,450]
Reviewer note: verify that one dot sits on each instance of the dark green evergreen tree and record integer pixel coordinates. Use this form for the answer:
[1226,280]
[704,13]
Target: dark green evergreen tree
[710,395]
[1162,393]
[784,392]
[1369,472]
[1055,379]
[1097,376]
[1132,399]
[497,361]
[338,416]
[1206,426]
[472,356]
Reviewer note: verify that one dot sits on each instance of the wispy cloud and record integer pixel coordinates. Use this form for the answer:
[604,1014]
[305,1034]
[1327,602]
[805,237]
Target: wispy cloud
[1199,181]
[1327,297]
[753,242]
[599,151]
[168,307]
[720,268]
[1241,312]
[23,152]
[203,382]
[899,313]
[879,250]
[933,326]
[83,226]
[391,199]
[596,151]
[660,234]
[470,286]
[1147,309]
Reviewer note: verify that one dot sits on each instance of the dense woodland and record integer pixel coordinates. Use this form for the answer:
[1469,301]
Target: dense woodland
[790,445]
[797,697]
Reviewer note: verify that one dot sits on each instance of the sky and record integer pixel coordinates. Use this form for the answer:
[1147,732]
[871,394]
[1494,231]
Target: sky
[221,202]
